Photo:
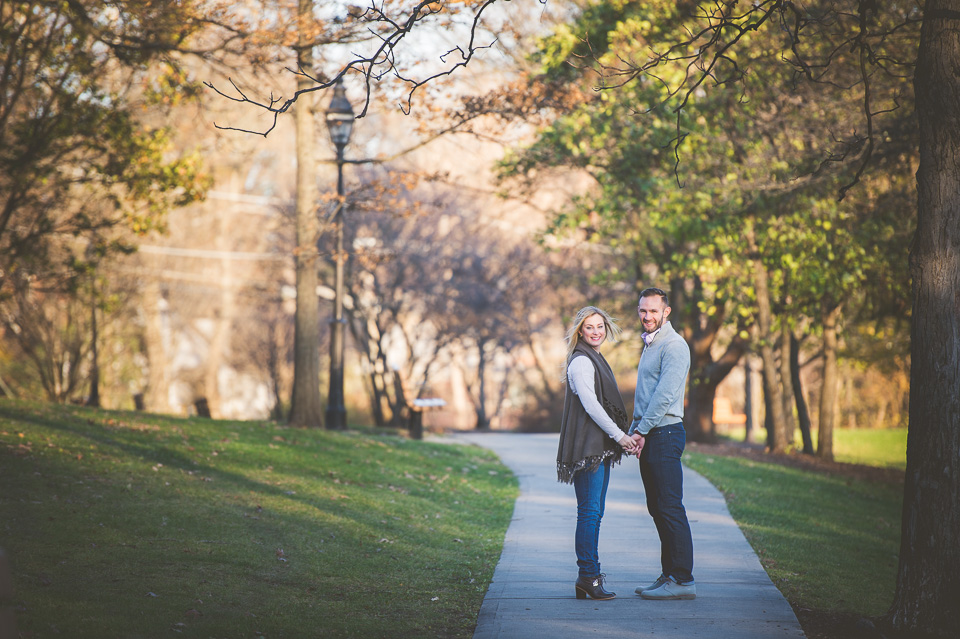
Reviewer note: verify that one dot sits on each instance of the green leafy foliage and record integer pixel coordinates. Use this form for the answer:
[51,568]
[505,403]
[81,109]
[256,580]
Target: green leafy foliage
[682,177]
[75,158]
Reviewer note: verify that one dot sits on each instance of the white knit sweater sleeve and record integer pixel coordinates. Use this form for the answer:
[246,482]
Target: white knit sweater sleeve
[580,374]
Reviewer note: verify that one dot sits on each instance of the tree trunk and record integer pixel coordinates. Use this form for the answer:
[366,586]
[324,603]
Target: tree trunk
[156,338]
[701,331]
[5,390]
[502,391]
[803,415]
[772,393]
[305,409]
[397,403]
[767,410]
[748,398]
[377,398]
[828,394]
[373,363]
[928,579]
[786,379]
[273,364]
[222,315]
[703,389]
[93,398]
[698,413]
[773,398]
[548,381]
[482,420]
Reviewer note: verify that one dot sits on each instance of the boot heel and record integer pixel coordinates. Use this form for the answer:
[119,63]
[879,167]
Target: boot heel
[592,588]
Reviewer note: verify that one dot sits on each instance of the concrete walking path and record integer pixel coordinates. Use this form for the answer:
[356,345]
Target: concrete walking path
[532,592]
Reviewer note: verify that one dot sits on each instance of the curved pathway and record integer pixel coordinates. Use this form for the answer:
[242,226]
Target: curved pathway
[532,592]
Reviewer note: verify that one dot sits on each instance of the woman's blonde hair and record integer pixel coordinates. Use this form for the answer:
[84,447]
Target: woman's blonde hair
[573,335]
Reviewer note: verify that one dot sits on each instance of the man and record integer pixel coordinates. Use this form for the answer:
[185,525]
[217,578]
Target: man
[657,427]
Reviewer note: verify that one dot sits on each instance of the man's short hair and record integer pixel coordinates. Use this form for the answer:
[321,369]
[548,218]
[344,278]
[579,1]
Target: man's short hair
[652,291]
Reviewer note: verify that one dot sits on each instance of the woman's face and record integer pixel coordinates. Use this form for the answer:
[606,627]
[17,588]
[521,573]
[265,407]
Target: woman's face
[593,331]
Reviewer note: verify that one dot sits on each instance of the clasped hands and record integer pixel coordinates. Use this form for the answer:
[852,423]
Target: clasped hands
[632,444]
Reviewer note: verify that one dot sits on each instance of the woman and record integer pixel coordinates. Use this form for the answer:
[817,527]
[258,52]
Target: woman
[592,439]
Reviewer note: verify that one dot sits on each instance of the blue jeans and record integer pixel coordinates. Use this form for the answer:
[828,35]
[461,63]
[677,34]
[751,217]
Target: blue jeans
[591,489]
[662,477]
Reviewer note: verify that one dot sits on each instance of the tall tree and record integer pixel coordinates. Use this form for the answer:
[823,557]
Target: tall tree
[305,409]
[928,579]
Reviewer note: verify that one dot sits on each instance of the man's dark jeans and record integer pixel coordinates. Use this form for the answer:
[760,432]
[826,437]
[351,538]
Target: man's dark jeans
[662,477]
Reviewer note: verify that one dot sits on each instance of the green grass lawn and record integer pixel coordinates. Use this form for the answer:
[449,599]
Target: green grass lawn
[883,447]
[829,542]
[134,525]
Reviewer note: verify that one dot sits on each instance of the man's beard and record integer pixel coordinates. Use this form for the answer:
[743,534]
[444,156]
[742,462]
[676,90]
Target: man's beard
[657,327]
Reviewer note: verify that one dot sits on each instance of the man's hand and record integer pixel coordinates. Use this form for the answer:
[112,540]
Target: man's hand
[638,441]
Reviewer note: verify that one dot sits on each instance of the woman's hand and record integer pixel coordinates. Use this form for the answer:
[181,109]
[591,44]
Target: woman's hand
[629,445]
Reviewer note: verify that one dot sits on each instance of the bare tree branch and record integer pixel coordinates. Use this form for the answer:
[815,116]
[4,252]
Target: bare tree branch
[390,31]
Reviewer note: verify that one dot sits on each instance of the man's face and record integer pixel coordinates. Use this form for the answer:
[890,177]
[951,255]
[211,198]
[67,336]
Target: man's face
[653,312]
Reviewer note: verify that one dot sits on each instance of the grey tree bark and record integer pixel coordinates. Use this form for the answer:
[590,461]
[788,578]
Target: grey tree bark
[928,579]
[772,390]
[786,382]
[828,392]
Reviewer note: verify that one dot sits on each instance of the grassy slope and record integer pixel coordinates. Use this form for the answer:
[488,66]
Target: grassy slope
[134,525]
[829,542]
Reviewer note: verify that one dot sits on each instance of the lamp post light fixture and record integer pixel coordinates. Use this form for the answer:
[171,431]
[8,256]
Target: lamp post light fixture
[339,117]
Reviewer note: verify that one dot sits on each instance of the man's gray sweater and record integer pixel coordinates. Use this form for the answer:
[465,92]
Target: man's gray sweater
[661,379]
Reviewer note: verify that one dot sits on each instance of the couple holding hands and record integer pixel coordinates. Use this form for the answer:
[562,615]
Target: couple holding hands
[595,432]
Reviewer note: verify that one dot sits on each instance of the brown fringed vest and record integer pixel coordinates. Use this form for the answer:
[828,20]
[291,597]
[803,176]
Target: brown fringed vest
[583,444]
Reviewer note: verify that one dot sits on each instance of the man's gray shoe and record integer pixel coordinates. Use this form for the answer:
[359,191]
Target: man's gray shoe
[671,590]
[662,579]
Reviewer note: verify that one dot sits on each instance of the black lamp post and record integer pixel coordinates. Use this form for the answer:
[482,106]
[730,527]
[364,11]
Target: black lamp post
[339,117]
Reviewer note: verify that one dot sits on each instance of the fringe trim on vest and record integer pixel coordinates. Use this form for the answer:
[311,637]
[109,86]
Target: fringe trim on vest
[565,472]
